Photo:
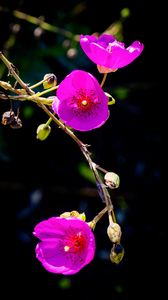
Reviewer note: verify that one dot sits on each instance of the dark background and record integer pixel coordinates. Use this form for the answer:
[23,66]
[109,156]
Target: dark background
[39,180]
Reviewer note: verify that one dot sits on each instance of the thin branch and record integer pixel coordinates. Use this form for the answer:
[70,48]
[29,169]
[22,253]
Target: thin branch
[11,69]
[102,189]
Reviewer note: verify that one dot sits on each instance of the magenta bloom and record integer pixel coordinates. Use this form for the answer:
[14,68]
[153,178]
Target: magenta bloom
[108,53]
[67,244]
[81,103]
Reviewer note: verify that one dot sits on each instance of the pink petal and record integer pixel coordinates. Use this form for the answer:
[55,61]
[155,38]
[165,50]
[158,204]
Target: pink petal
[108,52]
[51,251]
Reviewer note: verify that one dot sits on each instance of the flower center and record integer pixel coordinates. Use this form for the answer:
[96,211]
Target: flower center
[75,243]
[84,102]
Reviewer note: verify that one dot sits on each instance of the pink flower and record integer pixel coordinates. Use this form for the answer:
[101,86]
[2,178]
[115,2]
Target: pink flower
[67,244]
[108,53]
[81,103]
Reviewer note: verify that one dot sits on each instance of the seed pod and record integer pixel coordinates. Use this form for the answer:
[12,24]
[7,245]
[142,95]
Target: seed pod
[117,253]
[8,117]
[114,233]
[112,180]
[51,80]
[16,123]
[43,132]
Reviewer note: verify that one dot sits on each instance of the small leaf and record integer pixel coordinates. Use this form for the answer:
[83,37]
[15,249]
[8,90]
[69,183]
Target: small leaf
[86,172]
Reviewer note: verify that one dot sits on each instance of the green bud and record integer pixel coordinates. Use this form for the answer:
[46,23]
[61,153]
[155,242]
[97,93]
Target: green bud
[43,132]
[112,180]
[50,81]
[117,253]
[114,233]
[125,12]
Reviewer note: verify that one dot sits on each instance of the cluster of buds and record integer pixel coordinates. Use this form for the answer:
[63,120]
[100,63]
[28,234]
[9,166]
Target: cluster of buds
[112,181]
[114,234]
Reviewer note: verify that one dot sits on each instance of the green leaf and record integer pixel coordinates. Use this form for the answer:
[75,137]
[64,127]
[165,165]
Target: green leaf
[86,172]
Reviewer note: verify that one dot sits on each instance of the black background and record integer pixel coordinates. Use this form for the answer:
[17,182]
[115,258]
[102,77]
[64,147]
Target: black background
[41,179]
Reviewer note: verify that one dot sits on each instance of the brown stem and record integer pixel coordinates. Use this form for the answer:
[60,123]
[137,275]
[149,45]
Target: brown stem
[10,67]
[102,190]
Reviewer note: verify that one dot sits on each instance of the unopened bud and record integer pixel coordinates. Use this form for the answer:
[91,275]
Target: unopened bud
[114,233]
[75,214]
[43,132]
[117,253]
[125,12]
[65,214]
[16,123]
[8,117]
[112,180]
[50,81]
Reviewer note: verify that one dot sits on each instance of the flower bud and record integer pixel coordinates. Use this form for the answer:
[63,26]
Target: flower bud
[75,214]
[112,180]
[114,233]
[50,81]
[117,253]
[8,117]
[43,132]
[65,214]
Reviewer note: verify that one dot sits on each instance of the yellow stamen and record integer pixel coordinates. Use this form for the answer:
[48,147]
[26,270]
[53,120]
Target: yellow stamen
[66,248]
[84,102]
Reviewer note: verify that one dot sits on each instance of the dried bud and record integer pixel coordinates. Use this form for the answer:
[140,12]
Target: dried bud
[75,214]
[112,180]
[8,117]
[117,253]
[16,123]
[65,214]
[50,81]
[43,132]
[114,233]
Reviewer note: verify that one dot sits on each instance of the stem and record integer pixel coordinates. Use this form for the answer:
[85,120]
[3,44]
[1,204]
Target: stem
[93,223]
[45,25]
[40,82]
[111,102]
[47,91]
[33,98]
[101,169]
[48,122]
[102,189]
[10,67]
[104,79]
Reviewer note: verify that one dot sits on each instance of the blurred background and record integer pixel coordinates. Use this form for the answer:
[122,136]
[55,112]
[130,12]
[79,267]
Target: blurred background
[41,179]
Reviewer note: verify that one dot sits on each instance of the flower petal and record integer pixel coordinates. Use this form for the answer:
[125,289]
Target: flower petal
[66,102]
[108,52]
[59,253]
